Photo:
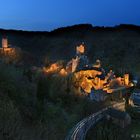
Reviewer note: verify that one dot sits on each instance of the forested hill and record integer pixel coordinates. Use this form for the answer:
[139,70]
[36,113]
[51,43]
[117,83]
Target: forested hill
[117,47]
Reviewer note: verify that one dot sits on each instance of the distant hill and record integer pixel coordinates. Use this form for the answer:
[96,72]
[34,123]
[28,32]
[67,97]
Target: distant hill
[117,47]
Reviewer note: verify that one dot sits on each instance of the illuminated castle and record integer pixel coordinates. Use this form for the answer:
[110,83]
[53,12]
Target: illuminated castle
[80,61]
[9,54]
[5,48]
[91,76]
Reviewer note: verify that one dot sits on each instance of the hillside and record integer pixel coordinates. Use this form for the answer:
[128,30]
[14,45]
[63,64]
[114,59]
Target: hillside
[117,47]
[31,101]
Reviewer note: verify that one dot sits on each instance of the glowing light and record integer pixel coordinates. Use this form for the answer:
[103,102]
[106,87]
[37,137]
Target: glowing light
[63,72]
[53,68]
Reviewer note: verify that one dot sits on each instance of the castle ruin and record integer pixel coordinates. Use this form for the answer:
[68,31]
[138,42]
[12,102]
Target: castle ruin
[5,47]
[92,77]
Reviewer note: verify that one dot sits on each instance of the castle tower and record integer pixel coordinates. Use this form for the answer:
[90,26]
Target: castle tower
[4,43]
[126,79]
[80,49]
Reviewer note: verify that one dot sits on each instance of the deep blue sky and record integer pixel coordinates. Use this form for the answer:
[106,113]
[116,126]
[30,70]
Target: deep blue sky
[50,14]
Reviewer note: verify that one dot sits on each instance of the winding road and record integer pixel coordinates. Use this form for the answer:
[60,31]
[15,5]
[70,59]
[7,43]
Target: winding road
[79,131]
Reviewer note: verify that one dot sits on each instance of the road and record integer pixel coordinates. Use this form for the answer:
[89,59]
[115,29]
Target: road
[80,130]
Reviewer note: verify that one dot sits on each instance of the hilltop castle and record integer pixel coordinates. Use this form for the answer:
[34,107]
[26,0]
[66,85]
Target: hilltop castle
[80,61]
[91,77]
[5,50]
[9,54]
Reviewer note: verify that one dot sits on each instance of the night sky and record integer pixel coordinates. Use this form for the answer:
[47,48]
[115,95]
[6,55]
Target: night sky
[39,15]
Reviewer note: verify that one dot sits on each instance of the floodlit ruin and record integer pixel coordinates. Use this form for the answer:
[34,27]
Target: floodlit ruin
[9,54]
[91,77]
[5,47]
[53,68]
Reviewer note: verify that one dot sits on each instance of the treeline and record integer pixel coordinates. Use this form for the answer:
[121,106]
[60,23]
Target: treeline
[117,47]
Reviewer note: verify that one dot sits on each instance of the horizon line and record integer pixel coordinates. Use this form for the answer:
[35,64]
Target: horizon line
[63,27]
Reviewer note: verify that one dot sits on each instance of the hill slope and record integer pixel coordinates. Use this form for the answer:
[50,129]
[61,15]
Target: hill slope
[118,47]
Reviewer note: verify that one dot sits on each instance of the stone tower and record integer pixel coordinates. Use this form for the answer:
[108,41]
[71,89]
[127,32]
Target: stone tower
[80,49]
[4,43]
